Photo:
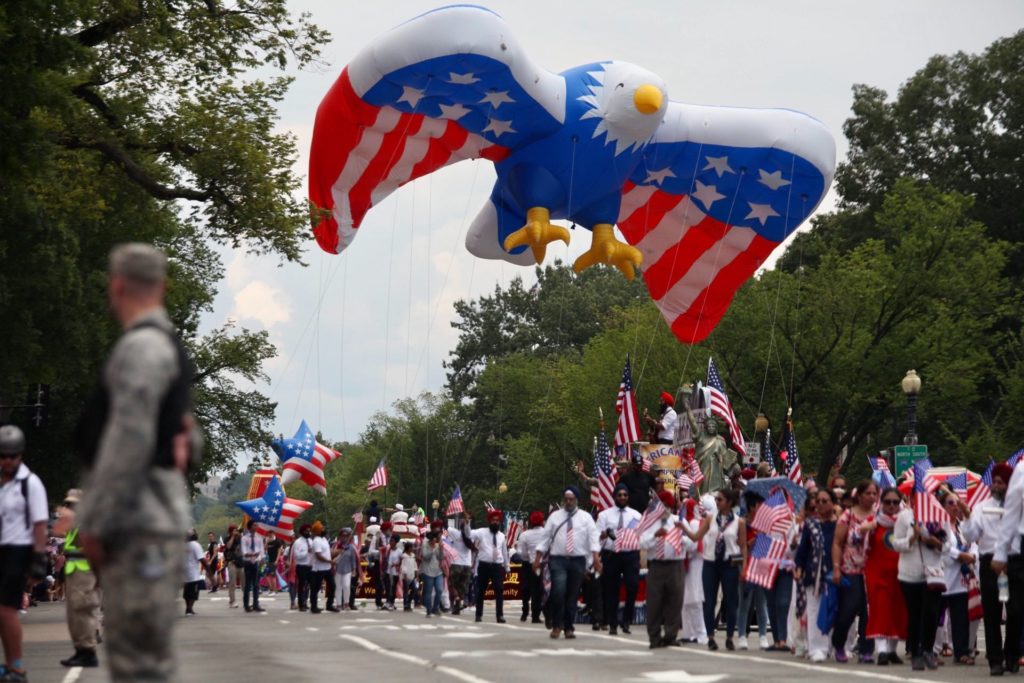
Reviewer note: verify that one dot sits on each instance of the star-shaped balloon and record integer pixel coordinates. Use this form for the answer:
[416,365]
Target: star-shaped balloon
[274,511]
[302,458]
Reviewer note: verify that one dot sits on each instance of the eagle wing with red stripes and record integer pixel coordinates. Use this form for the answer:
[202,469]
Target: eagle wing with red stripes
[718,190]
[449,85]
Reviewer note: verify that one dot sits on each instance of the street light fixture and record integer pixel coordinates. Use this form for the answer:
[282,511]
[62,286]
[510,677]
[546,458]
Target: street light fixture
[760,423]
[911,385]
[436,504]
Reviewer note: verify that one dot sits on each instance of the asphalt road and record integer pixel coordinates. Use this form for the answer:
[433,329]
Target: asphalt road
[227,645]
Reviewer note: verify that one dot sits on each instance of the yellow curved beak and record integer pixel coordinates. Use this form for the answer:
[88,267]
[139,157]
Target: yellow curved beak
[647,99]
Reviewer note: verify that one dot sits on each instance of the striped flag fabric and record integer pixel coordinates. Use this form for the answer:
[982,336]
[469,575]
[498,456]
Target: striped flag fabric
[792,456]
[654,513]
[958,482]
[983,491]
[628,429]
[927,508]
[601,493]
[379,478]
[684,482]
[455,504]
[766,452]
[274,511]
[719,405]
[451,555]
[763,564]
[693,469]
[673,537]
[303,458]
[881,473]
[626,540]
[773,515]
[1015,458]
[512,530]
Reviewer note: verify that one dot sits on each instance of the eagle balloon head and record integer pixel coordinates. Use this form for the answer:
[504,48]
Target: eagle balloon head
[630,102]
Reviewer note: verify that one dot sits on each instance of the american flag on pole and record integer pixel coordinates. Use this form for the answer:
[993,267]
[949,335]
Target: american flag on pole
[628,429]
[983,490]
[379,478]
[773,515]
[766,453]
[303,458]
[513,529]
[763,565]
[720,406]
[1015,458]
[881,473]
[958,482]
[792,457]
[455,504]
[652,515]
[601,493]
[927,508]
[673,537]
[274,511]
[693,469]
[684,482]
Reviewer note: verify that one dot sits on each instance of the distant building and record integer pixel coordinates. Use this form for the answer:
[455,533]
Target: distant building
[211,487]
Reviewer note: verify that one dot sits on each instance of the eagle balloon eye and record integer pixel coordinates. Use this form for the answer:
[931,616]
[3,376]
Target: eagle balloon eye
[620,85]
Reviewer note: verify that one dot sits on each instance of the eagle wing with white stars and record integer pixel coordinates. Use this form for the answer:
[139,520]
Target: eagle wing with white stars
[449,85]
[718,190]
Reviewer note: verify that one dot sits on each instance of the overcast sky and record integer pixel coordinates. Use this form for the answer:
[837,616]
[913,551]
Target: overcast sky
[356,332]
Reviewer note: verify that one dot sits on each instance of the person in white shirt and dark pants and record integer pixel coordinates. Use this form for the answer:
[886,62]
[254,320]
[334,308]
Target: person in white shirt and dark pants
[533,585]
[1007,558]
[252,554]
[666,548]
[570,537]
[492,563]
[619,567]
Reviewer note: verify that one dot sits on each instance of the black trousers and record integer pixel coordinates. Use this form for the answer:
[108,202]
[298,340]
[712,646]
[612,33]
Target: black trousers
[1014,608]
[853,603]
[302,577]
[316,582]
[923,609]
[533,592]
[993,611]
[619,569]
[959,625]
[377,577]
[252,585]
[493,573]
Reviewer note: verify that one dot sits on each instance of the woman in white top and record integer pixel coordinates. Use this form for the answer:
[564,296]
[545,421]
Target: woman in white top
[723,557]
[696,520]
[959,564]
[195,559]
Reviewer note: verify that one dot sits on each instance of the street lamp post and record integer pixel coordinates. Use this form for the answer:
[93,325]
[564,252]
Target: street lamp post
[436,504]
[911,385]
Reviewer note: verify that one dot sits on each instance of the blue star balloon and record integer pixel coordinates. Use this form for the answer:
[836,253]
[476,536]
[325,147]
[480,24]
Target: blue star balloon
[273,510]
[303,458]
[702,195]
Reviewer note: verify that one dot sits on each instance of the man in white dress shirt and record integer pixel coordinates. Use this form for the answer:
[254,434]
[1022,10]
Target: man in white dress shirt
[533,585]
[321,558]
[619,567]
[492,563]
[570,537]
[666,548]
[252,555]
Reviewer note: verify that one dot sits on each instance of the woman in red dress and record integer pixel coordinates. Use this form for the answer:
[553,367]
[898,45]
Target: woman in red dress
[887,612]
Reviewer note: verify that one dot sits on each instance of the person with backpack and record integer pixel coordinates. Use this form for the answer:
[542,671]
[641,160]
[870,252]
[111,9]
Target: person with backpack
[24,513]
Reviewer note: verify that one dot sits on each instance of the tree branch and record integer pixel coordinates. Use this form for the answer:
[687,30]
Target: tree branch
[137,173]
[108,28]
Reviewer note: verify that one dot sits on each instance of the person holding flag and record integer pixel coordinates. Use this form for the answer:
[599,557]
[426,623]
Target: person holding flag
[666,547]
[983,528]
[620,554]
[813,568]
[849,555]
[887,615]
[723,557]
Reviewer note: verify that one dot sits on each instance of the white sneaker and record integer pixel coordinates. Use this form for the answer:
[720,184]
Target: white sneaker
[741,643]
[800,651]
[818,658]
[764,642]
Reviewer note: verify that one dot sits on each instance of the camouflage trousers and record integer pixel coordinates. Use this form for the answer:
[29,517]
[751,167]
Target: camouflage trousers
[82,597]
[141,581]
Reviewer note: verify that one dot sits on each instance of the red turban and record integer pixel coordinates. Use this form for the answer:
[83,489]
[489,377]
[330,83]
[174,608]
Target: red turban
[536,518]
[494,514]
[386,526]
[668,398]
[437,524]
[1004,471]
[667,499]
[748,473]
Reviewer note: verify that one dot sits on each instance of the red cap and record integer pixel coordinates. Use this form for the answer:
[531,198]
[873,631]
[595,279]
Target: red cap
[748,473]
[668,398]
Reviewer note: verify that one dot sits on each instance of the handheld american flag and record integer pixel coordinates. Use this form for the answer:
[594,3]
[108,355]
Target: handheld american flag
[720,406]
[790,455]
[983,490]
[958,482]
[1015,458]
[773,515]
[455,504]
[763,565]
[379,478]
[303,458]
[601,494]
[628,429]
[927,508]
[626,540]
[684,482]
[880,468]
[273,511]
[654,513]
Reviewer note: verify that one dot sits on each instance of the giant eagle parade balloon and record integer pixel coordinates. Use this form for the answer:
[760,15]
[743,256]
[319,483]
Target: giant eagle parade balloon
[701,194]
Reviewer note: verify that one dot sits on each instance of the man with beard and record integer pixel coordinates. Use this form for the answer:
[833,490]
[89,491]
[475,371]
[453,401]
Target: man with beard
[666,548]
[492,563]
[302,559]
[983,528]
[622,566]
[663,430]
[638,483]
[569,538]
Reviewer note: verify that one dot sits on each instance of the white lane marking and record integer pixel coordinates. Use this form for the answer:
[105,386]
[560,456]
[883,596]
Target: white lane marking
[544,652]
[366,620]
[383,627]
[312,628]
[419,661]
[465,634]
[283,621]
[678,676]
[73,674]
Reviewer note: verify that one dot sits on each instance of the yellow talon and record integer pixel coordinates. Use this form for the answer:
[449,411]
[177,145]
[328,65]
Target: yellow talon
[537,232]
[604,248]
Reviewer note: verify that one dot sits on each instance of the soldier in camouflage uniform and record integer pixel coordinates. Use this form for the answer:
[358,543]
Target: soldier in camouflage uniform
[139,434]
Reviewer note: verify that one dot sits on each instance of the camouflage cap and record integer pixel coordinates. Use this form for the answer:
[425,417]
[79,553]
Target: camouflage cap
[138,261]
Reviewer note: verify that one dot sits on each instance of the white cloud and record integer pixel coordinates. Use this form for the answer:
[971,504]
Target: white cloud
[261,302]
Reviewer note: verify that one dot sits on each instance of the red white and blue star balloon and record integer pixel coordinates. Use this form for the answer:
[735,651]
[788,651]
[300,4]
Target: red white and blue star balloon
[274,511]
[302,458]
[701,194]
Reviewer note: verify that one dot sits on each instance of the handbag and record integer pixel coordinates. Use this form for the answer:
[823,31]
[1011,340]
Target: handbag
[974,608]
[935,578]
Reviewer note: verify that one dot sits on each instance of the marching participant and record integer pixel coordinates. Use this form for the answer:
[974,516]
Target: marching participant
[492,563]
[666,547]
[622,565]
[533,585]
